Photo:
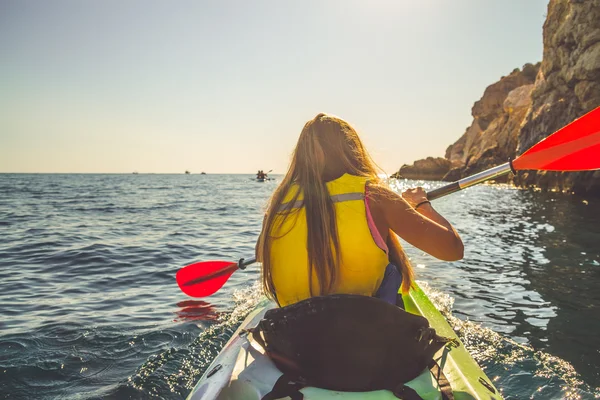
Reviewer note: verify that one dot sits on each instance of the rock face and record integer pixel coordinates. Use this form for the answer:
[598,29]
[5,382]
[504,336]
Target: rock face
[530,104]
[430,168]
[567,86]
[492,136]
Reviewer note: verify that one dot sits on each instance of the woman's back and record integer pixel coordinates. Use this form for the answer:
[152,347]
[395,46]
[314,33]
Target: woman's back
[318,237]
[362,261]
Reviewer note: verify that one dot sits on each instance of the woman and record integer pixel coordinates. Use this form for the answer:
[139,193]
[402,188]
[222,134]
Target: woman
[331,225]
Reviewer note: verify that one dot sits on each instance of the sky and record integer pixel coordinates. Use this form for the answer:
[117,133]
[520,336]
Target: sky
[226,86]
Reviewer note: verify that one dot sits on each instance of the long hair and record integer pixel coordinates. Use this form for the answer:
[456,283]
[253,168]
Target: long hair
[328,147]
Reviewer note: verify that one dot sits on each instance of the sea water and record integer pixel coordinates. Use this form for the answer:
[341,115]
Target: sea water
[89,306]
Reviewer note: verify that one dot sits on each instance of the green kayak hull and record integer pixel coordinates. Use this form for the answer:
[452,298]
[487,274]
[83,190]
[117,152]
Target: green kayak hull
[242,371]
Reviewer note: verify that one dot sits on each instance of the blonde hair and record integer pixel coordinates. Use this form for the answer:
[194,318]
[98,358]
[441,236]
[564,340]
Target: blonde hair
[328,147]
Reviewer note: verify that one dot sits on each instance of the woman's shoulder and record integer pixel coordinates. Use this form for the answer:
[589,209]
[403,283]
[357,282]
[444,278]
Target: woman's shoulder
[347,183]
[383,197]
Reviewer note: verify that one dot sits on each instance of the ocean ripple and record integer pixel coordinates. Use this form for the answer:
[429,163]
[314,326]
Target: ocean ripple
[89,307]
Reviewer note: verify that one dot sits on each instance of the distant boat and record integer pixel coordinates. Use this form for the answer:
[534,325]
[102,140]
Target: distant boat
[202,173]
[187,172]
[135,172]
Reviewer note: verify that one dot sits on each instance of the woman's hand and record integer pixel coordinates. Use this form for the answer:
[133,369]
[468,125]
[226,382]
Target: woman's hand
[424,228]
[414,196]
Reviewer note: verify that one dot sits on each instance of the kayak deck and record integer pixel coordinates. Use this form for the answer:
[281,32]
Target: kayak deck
[243,371]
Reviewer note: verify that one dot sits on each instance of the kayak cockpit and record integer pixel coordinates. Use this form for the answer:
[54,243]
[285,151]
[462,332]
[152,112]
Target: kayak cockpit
[243,370]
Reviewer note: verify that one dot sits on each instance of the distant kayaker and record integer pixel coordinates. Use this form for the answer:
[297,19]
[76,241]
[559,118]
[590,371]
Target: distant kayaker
[260,174]
[331,224]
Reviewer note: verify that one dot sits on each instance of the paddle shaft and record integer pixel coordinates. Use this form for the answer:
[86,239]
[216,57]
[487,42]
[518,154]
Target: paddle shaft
[472,180]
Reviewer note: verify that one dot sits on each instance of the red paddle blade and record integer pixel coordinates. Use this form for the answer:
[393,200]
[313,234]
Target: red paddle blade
[204,278]
[576,147]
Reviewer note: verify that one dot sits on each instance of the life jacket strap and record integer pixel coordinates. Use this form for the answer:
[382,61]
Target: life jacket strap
[336,198]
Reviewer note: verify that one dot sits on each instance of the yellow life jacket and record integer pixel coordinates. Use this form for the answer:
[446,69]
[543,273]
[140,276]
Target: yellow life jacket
[363,263]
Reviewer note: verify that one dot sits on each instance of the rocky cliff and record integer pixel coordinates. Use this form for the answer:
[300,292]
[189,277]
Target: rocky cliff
[529,104]
[567,86]
[430,168]
[492,137]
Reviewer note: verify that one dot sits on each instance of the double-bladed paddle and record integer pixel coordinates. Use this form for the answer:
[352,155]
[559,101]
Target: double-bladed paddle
[575,147]
[266,173]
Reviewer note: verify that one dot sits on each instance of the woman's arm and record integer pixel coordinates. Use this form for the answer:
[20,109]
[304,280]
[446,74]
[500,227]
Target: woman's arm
[422,227]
